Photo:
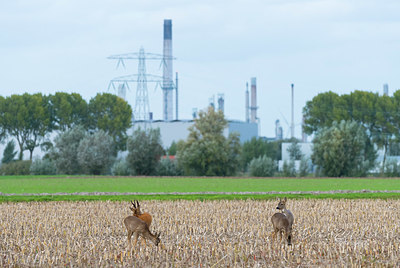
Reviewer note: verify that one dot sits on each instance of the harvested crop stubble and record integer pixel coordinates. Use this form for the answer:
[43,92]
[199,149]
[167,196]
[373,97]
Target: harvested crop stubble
[220,233]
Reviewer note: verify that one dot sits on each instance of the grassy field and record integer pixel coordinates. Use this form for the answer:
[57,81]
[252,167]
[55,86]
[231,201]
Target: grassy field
[52,185]
[326,233]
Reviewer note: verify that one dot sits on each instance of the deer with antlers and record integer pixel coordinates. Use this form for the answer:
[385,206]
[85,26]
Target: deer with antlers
[146,217]
[138,227]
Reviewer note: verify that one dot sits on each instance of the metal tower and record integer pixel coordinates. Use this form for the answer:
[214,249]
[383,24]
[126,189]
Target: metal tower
[142,106]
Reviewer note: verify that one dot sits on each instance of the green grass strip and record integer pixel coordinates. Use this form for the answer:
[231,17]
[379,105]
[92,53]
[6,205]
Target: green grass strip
[32,184]
[195,197]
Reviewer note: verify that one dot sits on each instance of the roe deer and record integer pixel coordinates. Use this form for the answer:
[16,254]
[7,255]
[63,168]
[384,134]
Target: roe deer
[137,227]
[281,225]
[146,217]
[282,206]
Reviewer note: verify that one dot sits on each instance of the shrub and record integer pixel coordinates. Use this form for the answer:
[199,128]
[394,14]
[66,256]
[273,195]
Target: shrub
[96,153]
[121,168]
[144,151]
[65,150]
[43,167]
[304,167]
[262,166]
[16,168]
[289,169]
[392,168]
[168,167]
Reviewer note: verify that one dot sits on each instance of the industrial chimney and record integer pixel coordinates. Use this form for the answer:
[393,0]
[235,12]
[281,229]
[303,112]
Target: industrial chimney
[278,130]
[385,89]
[247,105]
[221,102]
[167,72]
[292,123]
[253,107]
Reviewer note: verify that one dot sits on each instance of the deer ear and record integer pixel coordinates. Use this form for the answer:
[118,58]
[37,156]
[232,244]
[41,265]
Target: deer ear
[285,199]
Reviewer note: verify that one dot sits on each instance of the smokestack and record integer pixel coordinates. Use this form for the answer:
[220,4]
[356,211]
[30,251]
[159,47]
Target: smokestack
[176,95]
[167,71]
[221,102]
[253,107]
[292,124]
[386,89]
[247,103]
[278,130]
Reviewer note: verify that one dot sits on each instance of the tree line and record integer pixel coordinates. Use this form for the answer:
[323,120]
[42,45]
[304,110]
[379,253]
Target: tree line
[348,129]
[31,118]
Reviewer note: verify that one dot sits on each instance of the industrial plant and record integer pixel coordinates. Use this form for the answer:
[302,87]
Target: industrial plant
[175,129]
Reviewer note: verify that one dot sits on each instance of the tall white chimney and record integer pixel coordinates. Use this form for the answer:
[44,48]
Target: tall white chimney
[167,72]
[253,108]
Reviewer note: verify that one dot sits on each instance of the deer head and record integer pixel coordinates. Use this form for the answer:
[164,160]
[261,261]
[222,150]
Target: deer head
[135,208]
[282,204]
[157,238]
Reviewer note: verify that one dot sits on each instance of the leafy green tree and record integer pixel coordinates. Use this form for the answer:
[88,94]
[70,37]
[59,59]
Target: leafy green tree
[294,150]
[322,110]
[3,130]
[144,151]
[207,152]
[9,153]
[384,130]
[96,153]
[26,118]
[340,150]
[172,149]
[111,114]
[65,150]
[68,110]
[257,147]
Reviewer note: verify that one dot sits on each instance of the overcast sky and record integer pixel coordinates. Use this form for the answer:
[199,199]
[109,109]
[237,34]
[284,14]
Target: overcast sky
[319,45]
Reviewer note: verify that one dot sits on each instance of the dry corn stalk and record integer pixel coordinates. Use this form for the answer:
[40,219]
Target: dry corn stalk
[213,233]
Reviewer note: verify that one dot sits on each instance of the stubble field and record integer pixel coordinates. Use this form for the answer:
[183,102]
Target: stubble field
[195,233]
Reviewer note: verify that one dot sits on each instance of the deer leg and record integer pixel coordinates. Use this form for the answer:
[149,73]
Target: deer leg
[129,238]
[274,234]
[136,239]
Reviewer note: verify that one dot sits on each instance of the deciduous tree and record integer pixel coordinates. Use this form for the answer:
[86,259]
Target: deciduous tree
[144,151]
[111,114]
[207,151]
[341,150]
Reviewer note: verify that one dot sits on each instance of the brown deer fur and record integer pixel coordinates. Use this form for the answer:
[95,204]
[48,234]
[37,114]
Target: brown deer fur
[146,217]
[137,227]
[282,226]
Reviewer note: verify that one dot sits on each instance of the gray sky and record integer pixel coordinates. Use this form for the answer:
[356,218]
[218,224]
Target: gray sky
[319,45]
